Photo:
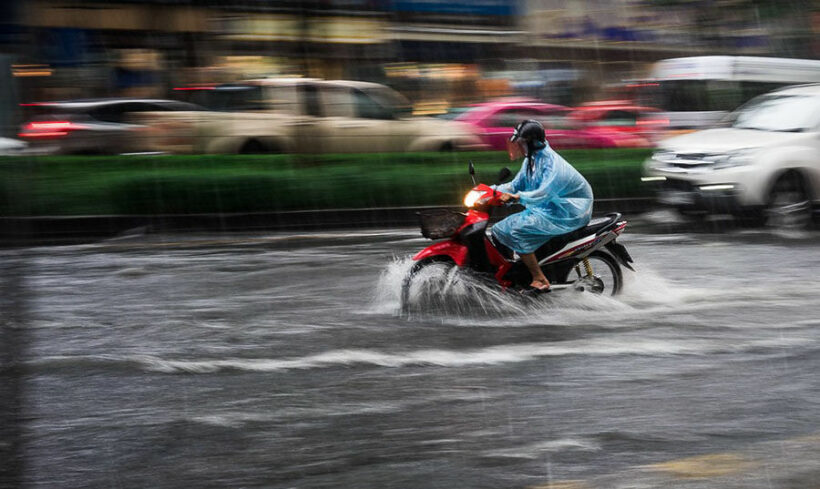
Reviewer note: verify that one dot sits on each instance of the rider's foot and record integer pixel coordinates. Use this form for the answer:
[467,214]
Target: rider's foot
[541,285]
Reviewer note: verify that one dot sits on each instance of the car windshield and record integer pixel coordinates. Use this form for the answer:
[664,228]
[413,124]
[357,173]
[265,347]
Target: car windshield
[235,98]
[391,101]
[785,113]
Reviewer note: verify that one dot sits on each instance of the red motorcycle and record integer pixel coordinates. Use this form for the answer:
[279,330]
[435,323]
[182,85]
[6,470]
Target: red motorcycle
[587,259]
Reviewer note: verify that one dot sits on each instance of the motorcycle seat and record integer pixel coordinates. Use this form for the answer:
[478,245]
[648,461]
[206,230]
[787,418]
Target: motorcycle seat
[594,226]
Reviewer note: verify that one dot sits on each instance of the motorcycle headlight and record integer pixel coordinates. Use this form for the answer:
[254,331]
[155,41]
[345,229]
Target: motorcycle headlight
[471,198]
[735,158]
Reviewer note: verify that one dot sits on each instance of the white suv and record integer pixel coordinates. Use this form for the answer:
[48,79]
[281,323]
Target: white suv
[764,164]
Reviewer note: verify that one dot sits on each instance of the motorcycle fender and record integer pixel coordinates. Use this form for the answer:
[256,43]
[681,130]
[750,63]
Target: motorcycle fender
[619,252]
[456,251]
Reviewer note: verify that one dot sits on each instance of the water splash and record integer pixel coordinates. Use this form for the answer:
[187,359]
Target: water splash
[459,299]
[442,290]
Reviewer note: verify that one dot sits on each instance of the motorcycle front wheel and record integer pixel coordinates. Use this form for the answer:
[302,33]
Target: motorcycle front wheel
[606,279]
[418,284]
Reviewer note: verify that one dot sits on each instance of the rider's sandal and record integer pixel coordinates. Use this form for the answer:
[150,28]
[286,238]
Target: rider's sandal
[538,290]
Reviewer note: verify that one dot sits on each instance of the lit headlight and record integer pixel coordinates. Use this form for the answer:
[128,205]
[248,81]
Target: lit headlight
[735,158]
[471,198]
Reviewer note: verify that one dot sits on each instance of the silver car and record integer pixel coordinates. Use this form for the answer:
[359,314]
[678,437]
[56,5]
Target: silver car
[765,164]
[99,126]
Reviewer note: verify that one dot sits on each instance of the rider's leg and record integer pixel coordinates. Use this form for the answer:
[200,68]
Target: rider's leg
[539,281]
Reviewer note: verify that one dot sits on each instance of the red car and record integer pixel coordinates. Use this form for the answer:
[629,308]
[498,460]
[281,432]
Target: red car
[494,123]
[620,116]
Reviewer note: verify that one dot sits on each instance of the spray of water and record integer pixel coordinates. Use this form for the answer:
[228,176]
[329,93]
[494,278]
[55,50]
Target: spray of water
[444,290]
[441,289]
[448,292]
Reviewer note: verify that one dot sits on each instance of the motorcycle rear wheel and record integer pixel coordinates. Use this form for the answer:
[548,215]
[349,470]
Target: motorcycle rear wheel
[608,278]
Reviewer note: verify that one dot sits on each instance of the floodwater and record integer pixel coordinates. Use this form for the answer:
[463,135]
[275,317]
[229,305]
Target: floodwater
[281,361]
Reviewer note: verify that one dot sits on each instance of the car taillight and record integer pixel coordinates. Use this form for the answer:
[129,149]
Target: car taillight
[652,122]
[47,129]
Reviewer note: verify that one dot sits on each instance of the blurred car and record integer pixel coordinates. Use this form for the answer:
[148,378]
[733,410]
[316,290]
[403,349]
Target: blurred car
[607,116]
[11,147]
[285,115]
[764,164]
[98,126]
[495,122]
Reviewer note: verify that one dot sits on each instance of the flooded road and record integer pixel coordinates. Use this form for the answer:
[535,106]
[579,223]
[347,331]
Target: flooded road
[279,361]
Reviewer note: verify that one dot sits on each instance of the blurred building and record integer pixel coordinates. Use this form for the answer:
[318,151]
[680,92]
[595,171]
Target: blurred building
[436,51]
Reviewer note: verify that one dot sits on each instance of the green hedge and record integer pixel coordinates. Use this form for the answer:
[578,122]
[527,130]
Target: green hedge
[239,183]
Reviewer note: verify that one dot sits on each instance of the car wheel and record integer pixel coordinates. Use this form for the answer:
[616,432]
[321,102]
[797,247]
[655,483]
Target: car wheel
[254,147]
[789,206]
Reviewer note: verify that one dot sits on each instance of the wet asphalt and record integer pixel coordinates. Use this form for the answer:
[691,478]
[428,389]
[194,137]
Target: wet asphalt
[281,360]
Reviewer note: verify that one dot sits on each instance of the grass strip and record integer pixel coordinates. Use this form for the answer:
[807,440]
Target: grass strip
[118,185]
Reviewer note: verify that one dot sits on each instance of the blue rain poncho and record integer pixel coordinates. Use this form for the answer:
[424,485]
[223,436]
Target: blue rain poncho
[557,198]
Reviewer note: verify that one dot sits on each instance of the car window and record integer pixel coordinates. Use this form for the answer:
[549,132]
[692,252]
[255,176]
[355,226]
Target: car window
[173,105]
[617,118]
[556,119]
[699,95]
[105,114]
[391,100]
[148,107]
[368,108]
[236,98]
[112,112]
[310,100]
[787,113]
[337,102]
[282,97]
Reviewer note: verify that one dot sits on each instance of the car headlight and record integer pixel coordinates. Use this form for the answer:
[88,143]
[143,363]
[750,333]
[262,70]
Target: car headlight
[735,158]
[659,159]
[472,197]
[663,156]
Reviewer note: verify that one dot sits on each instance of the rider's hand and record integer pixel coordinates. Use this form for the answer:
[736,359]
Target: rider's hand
[505,198]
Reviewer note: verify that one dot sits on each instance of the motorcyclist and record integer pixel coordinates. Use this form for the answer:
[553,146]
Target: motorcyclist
[557,199]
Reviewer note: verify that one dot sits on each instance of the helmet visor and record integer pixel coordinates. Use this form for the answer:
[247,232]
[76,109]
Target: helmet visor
[516,149]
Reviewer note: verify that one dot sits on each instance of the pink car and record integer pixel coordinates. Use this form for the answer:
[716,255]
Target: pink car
[494,123]
[620,116]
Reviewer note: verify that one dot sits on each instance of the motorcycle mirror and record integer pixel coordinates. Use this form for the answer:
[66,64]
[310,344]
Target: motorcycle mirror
[504,174]
[471,169]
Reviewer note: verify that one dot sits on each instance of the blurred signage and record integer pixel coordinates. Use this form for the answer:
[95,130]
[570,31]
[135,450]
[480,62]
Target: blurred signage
[263,27]
[140,59]
[346,30]
[474,7]
[253,66]
[433,71]
[612,21]
[31,70]
[270,27]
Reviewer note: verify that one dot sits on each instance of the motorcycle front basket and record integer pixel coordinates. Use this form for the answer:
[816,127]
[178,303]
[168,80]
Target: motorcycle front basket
[439,223]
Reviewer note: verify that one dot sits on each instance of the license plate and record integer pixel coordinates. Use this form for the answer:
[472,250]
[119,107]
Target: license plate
[676,198]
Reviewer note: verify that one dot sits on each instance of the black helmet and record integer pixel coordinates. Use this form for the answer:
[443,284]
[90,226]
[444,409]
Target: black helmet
[533,133]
